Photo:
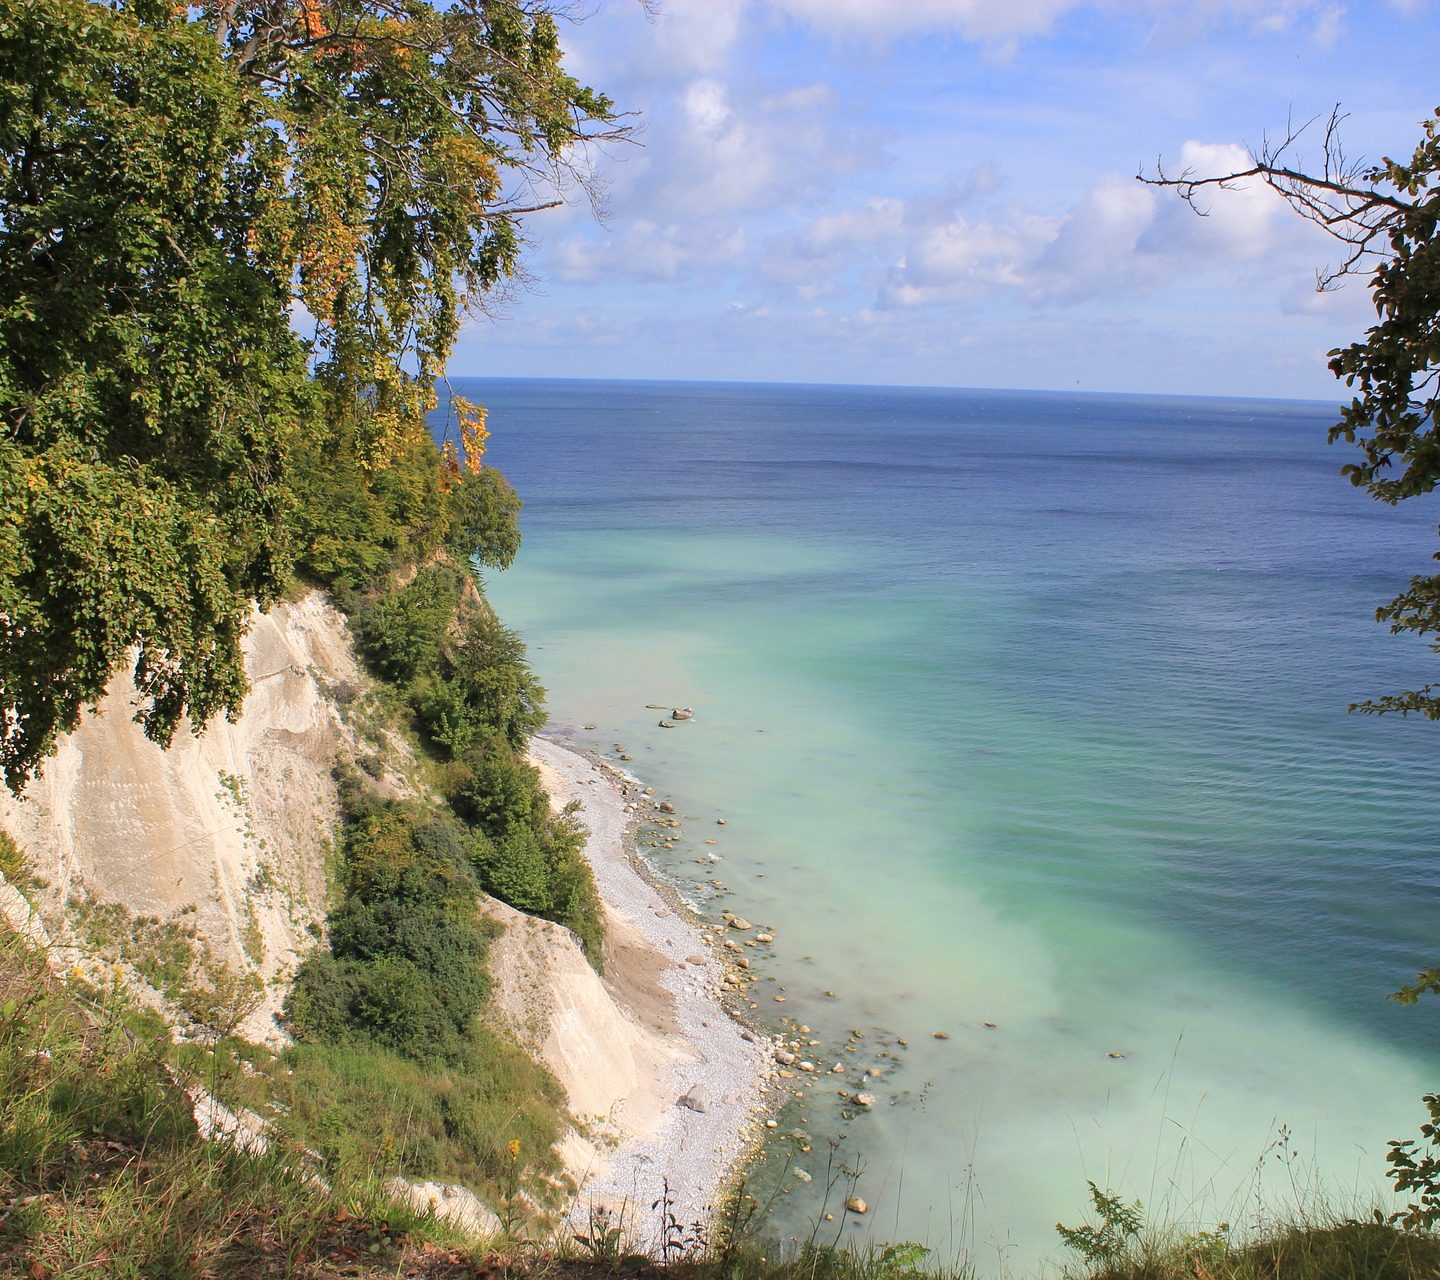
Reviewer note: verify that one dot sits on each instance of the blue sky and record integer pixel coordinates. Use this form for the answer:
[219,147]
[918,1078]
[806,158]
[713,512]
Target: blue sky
[942,192]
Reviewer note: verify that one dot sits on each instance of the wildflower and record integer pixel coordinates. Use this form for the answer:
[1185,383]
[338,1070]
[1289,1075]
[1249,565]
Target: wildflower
[76,973]
[514,1148]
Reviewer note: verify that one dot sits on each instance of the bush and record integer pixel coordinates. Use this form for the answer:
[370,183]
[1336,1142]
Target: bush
[401,632]
[407,949]
[503,793]
[505,698]
[514,868]
[484,519]
[349,524]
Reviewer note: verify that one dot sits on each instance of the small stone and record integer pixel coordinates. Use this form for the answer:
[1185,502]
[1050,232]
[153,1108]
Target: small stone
[665,807]
[838,1069]
[666,724]
[807,1066]
[779,999]
[589,727]
[695,959]
[829,1217]
[864,1099]
[942,1035]
[1113,1054]
[719,822]
[764,937]
[856,1205]
[801,1174]
[831,994]
[990,1026]
[784,1057]
[695,1100]
[682,713]
[772,1124]
[740,923]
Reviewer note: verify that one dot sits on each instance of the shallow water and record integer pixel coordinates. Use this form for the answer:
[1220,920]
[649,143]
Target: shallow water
[1025,709]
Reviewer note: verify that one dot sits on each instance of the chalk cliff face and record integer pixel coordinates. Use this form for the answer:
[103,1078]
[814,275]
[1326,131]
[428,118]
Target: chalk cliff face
[227,834]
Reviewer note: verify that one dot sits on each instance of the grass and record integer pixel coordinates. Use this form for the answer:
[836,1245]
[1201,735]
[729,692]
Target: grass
[1340,1250]
[12,862]
[102,1173]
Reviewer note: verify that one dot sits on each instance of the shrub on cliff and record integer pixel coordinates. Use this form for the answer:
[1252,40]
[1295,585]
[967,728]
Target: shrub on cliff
[484,519]
[402,632]
[407,948]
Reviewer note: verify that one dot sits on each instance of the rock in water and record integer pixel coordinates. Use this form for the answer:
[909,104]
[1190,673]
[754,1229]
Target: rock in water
[682,713]
[856,1205]
[666,724]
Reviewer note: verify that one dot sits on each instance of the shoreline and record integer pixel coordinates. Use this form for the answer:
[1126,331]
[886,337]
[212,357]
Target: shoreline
[699,1117]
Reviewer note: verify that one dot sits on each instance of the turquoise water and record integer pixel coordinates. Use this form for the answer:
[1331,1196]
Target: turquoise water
[1023,709]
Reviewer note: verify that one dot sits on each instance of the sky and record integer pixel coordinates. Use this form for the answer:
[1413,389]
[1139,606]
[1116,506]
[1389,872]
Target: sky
[943,193]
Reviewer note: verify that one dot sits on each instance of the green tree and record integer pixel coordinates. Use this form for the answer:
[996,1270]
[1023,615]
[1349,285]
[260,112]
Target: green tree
[174,182]
[1385,216]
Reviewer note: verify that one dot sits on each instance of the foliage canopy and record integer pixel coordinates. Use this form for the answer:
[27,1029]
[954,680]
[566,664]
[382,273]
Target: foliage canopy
[177,186]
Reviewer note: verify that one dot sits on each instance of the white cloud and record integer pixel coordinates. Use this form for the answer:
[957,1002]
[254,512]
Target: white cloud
[648,251]
[991,22]
[1117,240]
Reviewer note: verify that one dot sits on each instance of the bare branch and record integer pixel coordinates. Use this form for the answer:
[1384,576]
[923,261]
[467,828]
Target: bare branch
[1345,197]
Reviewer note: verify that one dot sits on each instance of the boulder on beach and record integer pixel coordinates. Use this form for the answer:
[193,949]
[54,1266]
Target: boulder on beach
[694,1099]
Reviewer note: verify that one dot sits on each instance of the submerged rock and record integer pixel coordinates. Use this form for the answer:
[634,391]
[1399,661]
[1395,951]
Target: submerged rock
[856,1205]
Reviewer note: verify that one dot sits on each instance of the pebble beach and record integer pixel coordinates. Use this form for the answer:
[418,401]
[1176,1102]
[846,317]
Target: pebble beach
[666,969]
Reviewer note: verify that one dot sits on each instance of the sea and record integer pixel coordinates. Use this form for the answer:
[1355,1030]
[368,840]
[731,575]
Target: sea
[1020,724]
